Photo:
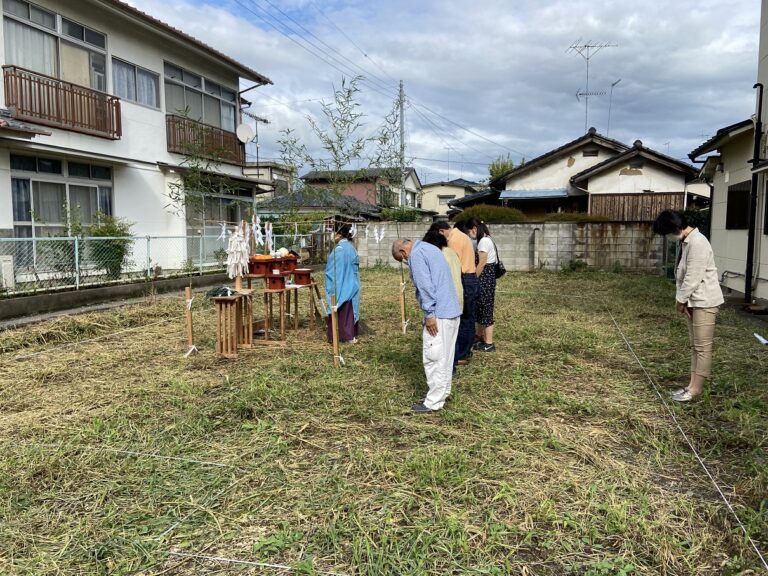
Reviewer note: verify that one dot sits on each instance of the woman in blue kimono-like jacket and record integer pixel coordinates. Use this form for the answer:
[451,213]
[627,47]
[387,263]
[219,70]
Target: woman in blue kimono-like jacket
[342,279]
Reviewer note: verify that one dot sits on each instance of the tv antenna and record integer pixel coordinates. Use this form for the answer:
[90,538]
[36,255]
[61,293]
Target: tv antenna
[587,50]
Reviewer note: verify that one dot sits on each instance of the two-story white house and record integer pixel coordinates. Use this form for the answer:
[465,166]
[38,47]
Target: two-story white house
[115,100]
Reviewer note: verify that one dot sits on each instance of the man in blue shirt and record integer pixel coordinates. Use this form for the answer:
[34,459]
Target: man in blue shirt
[437,298]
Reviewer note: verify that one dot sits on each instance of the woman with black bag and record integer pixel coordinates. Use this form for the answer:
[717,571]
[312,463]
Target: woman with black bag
[488,260]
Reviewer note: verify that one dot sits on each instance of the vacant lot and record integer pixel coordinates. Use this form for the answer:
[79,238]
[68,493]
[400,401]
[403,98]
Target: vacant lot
[555,456]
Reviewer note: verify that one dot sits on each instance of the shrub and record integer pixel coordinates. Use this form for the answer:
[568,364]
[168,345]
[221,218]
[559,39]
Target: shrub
[698,219]
[491,214]
[111,253]
[575,217]
[403,214]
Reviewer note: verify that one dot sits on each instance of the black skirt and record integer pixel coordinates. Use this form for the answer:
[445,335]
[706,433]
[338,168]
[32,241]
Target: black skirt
[486,296]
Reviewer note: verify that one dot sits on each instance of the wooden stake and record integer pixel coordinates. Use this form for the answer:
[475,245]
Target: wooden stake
[188,298]
[335,333]
[402,307]
[403,323]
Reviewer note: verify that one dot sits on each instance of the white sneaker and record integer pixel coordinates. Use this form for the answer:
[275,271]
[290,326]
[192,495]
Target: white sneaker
[684,396]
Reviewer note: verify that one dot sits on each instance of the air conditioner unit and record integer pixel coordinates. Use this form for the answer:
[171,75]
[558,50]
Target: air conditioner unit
[7,279]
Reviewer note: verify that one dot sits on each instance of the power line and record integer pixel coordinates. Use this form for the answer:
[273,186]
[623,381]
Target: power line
[378,87]
[363,52]
[347,72]
[427,108]
[450,136]
[365,73]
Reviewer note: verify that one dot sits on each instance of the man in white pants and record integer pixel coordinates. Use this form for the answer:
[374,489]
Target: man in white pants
[437,298]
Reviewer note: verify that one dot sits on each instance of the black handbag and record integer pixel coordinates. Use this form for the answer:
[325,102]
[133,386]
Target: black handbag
[500,269]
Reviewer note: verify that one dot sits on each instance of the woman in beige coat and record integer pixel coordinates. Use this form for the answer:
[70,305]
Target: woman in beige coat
[698,296]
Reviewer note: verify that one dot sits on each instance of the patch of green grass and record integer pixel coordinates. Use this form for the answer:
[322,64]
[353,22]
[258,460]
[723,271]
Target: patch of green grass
[554,457]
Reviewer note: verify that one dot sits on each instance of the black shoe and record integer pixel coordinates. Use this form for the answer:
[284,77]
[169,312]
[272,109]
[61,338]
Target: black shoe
[487,348]
[421,409]
[478,345]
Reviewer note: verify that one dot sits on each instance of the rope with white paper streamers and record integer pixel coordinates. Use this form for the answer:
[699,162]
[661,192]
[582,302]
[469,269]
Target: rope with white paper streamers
[237,254]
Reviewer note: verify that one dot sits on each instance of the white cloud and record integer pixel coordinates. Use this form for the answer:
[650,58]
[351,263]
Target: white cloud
[499,68]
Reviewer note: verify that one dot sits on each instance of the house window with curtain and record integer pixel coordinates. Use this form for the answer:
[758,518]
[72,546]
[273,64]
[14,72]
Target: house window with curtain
[44,42]
[135,84]
[198,98]
[49,195]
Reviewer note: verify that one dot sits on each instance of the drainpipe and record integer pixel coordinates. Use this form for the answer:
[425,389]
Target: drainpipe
[753,197]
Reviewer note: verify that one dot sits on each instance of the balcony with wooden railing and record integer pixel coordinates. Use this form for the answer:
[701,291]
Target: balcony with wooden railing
[41,99]
[190,137]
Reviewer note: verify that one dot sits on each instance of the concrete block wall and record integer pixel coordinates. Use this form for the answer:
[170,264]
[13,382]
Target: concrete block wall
[532,246]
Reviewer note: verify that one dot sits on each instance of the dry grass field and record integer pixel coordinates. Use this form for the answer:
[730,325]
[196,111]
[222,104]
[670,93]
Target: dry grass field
[555,456]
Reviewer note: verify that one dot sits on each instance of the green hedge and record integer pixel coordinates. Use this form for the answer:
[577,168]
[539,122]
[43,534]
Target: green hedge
[491,214]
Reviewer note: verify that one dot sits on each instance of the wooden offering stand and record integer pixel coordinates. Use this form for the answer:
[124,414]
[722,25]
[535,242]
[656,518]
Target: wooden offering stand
[234,321]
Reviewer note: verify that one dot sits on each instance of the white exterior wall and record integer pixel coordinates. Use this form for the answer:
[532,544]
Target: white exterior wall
[412,188]
[730,246]
[699,189]
[558,172]
[625,180]
[761,239]
[430,196]
[140,187]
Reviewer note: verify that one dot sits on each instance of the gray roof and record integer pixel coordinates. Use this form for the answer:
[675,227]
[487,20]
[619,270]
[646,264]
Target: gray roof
[716,141]
[472,199]
[8,122]
[591,136]
[321,198]
[355,175]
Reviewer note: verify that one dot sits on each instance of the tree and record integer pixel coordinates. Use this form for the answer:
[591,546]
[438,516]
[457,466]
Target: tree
[342,145]
[499,166]
[200,174]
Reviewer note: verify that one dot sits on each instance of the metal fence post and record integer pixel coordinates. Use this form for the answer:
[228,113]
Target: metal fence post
[149,260]
[77,263]
[202,239]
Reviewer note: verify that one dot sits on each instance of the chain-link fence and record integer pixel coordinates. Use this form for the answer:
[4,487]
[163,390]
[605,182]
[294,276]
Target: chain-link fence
[40,264]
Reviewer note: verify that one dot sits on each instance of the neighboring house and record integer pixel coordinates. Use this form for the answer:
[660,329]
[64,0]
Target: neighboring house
[123,98]
[727,166]
[276,178]
[438,195]
[637,184]
[319,201]
[595,175]
[377,186]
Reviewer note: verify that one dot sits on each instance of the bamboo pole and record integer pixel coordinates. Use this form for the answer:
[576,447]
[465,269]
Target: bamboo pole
[335,332]
[188,299]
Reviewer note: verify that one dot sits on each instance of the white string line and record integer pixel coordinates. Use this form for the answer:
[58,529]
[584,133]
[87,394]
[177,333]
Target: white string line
[69,344]
[246,562]
[690,444]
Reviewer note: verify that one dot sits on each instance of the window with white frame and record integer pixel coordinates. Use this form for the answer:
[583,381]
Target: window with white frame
[198,98]
[215,209]
[50,195]
[136,84]
[47,43]
[443,200]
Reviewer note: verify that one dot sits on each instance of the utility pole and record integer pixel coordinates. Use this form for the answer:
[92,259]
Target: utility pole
[449,148]
[401,102]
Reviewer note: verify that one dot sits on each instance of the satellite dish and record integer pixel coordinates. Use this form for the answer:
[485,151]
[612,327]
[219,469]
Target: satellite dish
[244,133]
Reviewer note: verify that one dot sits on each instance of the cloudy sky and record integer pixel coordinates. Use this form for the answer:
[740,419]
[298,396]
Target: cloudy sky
[485,78]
